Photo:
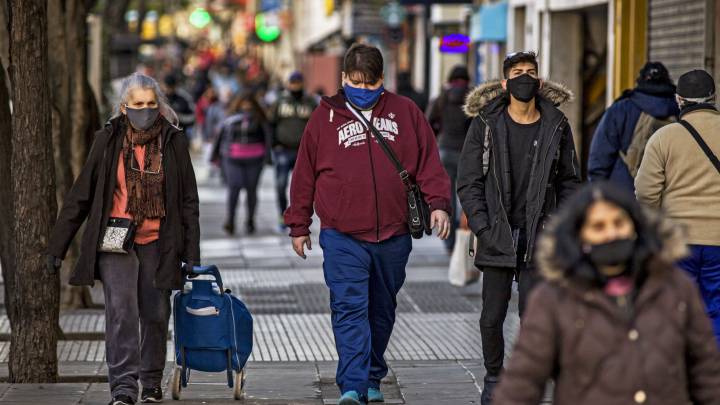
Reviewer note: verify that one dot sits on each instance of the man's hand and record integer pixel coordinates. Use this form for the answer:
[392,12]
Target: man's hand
[299,244]
[441,220]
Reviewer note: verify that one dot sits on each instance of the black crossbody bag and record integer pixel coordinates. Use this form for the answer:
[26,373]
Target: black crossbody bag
[704,146]
[418,210]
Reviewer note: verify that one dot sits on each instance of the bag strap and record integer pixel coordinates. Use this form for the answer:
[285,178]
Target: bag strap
[404,175]
[704,146]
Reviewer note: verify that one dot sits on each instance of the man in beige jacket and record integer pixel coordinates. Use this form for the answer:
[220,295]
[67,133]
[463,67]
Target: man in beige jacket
[679,177]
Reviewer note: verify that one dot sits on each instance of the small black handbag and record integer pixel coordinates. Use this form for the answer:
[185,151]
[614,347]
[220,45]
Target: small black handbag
[418,210]
[118,237]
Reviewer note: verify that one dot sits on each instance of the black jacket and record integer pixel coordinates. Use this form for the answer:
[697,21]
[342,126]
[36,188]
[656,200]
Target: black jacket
[289,117]
[232,130]
[91,198]
[485,198]
[448,120]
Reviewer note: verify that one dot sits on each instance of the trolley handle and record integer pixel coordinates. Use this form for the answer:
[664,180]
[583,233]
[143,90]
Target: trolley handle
[210,270]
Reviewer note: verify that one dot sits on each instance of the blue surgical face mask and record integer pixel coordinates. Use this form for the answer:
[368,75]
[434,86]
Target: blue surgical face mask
[362,98]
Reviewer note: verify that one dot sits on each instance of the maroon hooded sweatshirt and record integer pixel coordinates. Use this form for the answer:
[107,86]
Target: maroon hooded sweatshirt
[351,183]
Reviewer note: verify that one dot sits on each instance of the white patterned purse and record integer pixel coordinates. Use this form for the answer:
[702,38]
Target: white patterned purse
[119,236]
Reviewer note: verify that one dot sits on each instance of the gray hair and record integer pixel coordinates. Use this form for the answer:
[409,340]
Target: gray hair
[141,81]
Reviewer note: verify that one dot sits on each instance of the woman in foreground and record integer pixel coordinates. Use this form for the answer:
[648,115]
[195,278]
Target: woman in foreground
[615,322]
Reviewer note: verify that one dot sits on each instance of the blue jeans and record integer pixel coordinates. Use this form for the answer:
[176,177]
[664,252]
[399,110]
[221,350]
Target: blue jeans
[703,266]
[364,279]
[450,159]
[284,160]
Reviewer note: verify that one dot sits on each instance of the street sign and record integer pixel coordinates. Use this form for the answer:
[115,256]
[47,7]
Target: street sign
[455,43]
[393,14]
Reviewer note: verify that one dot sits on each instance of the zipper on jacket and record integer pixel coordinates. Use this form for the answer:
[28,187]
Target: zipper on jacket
[372,171]
[528,252]
[497,184]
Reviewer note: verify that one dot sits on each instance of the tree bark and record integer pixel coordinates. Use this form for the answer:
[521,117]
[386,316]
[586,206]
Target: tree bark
[76,119]
[113,22]
[33,345]
[6,200]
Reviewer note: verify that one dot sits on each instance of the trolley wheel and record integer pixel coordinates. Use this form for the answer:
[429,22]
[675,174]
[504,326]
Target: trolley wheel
[239,385]
[175,383]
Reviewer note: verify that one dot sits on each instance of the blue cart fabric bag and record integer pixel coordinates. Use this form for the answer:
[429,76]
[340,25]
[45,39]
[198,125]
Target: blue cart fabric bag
[213,329]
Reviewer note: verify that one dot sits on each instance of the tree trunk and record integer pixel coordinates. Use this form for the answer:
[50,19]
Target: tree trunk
[113,22]
[59,79]
[78,121]
[6,218]
[33,345]
[142,13]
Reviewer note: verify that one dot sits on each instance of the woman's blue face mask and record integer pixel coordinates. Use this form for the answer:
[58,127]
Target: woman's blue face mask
[362,98]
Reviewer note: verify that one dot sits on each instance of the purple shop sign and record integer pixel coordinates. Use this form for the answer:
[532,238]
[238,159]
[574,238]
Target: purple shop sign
[455,43]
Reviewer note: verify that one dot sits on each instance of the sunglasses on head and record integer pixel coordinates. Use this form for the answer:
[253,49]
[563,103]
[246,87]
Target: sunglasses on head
[525,53]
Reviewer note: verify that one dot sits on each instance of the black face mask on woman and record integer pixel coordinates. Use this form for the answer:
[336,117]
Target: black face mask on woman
[523,87]
[612,253]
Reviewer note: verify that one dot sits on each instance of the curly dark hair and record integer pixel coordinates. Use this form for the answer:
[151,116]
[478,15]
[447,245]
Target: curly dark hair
[567,254]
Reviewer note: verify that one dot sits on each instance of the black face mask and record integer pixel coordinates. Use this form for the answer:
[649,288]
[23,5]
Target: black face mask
[613,253]
[297,94]
[524,87]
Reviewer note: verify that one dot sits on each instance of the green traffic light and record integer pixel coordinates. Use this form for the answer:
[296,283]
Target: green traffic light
[264,32]
[199,18]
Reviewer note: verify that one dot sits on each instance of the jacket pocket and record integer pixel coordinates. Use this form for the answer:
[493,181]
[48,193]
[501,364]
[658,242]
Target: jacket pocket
[353,212]
[494,242]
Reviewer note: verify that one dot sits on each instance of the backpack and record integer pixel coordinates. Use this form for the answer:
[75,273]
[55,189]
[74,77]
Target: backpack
[645,127]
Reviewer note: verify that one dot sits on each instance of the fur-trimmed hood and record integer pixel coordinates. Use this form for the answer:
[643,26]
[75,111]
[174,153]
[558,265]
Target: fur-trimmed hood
[673,248]
[482,95]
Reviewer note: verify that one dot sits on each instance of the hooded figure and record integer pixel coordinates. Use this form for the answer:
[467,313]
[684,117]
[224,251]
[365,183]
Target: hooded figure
[652,98]
[614,322]
[450,124]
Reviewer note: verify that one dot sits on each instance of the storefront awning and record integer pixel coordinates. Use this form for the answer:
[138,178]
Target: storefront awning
[489,24]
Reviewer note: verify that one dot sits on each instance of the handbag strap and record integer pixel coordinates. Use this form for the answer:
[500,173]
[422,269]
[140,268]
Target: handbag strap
[704,146]
[404,175]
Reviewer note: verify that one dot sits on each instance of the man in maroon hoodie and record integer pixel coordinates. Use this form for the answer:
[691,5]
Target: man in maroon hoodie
[343,175]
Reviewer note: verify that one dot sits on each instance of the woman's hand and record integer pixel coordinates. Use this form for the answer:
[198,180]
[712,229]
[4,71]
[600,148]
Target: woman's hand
[441,220]
[299,243]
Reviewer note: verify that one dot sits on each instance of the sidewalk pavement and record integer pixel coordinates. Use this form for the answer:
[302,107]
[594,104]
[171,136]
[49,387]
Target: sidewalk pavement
[434,354]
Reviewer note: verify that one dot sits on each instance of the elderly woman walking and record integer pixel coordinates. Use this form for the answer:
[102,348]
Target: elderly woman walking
[615,322]
[138,197]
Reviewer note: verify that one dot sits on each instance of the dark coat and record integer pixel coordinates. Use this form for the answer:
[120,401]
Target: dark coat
[554,175]
[91,199]
[289,118]
[663,354]
[448,119]
[615,133]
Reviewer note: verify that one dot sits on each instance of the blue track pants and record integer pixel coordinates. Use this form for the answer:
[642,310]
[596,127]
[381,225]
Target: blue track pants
[364,280]
[704,267]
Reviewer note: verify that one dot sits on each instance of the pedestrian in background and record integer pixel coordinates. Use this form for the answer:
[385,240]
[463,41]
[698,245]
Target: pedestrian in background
[680,177]
[614,322]
[138,171]
[289,115]
[619,141]
[182,103]
[363,207]
[242,149]
[450,124]
[405,88]
[518,163]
